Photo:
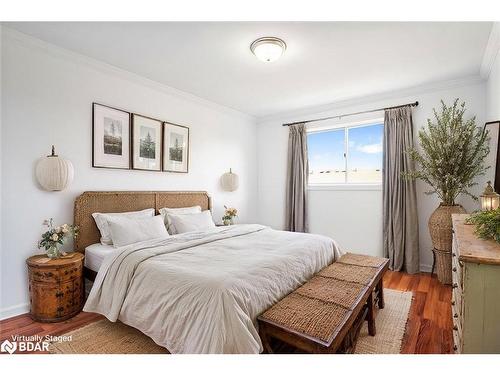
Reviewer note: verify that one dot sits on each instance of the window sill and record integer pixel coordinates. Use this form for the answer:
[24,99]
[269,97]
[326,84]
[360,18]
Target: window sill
[346,187]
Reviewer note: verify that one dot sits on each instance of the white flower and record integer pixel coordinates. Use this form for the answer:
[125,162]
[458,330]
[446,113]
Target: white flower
[65,230]
[55,237]
[58,230]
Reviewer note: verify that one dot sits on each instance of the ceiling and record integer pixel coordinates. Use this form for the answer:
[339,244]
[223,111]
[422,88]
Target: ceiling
[324,62]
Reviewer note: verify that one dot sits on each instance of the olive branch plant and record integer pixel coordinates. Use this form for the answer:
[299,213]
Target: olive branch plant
[453,150]
[487,224]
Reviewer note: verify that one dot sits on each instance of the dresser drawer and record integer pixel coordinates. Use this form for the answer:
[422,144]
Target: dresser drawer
[52,302]
[457,316]
[457,342]
[457,302]
[55,275]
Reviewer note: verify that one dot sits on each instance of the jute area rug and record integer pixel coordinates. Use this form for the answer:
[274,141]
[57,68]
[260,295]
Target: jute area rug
[104,337]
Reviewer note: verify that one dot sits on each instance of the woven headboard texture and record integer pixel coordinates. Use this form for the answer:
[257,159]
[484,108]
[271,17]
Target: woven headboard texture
[123,201]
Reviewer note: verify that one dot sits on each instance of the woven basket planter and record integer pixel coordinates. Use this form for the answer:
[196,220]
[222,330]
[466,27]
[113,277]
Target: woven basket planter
[443,266]
[440,228]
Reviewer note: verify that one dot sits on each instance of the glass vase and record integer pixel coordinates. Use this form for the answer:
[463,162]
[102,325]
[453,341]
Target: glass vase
[53,252]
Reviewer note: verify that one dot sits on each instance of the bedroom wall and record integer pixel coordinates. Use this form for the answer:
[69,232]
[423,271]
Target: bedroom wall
[354,217]
[47,97]
[493,90]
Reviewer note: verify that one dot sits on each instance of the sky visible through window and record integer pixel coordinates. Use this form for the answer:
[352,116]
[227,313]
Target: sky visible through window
[364,162]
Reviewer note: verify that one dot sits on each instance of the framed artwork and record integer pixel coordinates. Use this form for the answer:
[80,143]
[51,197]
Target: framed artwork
[110,137]
[175,148]
[146,143]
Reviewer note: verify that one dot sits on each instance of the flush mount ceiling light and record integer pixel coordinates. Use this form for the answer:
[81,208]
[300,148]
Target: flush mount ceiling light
[268,49]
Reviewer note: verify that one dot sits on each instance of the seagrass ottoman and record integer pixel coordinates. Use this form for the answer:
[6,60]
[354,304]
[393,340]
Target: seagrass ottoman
[326,313]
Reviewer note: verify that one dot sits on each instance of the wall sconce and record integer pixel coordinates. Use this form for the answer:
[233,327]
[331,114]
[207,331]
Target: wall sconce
[489,199]
[53,172]
[229,181]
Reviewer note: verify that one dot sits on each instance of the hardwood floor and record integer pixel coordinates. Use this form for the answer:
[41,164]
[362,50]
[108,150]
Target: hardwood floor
[429,328]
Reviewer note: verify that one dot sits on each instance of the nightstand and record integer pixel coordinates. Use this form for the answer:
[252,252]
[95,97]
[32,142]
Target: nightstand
[56,287]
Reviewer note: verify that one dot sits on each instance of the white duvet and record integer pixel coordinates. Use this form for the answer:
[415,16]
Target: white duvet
[201,292]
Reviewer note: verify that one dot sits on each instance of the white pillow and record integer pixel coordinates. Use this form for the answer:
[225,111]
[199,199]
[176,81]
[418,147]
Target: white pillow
[192,222]
[101,221]
[165,212]
[126,230]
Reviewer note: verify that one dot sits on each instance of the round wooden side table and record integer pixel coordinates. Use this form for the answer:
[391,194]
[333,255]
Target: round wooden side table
[56,287]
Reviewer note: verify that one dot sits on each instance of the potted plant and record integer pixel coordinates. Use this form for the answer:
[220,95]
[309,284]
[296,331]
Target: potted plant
[487,224]
[453,150]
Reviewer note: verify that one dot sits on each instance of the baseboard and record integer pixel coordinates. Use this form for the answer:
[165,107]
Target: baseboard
[15,310]
[425,268]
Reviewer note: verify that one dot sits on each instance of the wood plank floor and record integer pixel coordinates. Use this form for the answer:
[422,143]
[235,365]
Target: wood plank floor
[429,328]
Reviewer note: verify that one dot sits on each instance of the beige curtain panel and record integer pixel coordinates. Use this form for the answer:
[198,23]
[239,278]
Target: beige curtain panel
[400,221]
[297,174]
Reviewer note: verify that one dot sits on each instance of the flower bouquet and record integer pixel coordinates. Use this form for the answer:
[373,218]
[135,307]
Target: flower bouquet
[54,237]
[229,215]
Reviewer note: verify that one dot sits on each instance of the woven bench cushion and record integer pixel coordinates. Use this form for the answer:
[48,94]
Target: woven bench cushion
[339,292]
[349,272]
[320,306]
[362,260]
[309,316]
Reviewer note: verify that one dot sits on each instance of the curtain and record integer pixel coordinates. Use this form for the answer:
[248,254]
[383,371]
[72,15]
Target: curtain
[400,222]
[296,182]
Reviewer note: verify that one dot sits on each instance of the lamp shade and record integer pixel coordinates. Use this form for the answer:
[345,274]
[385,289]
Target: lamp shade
[53,172]
[229,181]
[489,199]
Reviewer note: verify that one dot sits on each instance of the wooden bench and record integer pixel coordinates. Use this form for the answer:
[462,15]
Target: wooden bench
[325,314]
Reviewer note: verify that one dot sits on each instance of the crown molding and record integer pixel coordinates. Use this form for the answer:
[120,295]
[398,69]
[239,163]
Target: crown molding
[101,66]
[297,115]
[491,51]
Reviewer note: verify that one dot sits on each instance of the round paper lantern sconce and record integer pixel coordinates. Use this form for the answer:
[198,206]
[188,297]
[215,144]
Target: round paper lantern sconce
[53,172]
[229,181]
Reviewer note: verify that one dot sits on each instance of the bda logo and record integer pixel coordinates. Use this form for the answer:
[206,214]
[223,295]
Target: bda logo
[8,346]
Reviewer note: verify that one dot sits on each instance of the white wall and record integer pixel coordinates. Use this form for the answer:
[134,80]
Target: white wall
[493,91]
[354,218]
[47,98]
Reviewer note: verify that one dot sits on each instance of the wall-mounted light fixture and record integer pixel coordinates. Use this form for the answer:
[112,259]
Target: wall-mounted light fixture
[53,172]
[229,181]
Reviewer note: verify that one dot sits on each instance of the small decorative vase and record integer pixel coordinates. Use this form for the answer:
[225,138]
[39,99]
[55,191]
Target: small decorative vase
[53,252]
[228,221]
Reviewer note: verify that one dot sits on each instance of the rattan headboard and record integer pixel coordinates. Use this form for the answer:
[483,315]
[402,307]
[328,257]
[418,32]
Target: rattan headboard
[123,201]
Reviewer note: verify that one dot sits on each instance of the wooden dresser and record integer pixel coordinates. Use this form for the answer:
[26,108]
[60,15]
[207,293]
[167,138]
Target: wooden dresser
[56,287]
[476,291]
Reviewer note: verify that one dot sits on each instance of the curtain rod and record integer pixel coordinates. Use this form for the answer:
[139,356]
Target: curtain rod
[414,104]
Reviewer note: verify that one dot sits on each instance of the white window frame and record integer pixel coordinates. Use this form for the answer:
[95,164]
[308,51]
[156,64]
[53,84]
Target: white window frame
[345,126]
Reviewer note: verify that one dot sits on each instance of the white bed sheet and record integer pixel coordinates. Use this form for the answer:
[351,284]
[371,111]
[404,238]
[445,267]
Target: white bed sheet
[95,255]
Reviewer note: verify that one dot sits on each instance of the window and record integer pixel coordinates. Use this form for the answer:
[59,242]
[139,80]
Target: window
[346,155]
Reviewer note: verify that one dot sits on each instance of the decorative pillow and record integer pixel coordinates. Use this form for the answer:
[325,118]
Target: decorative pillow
[192,222]
[126,230]
[101,221]
[165,212]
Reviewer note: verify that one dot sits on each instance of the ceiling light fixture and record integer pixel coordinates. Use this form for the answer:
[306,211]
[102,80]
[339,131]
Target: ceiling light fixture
[268,49]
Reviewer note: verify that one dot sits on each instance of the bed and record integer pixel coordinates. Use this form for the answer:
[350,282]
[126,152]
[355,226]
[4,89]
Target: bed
[196,292]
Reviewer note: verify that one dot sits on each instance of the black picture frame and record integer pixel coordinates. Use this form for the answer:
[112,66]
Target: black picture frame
[95,163]
[167,126]
[496,184]
[134,160]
